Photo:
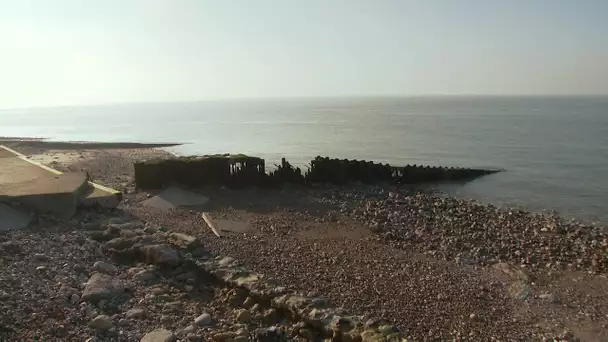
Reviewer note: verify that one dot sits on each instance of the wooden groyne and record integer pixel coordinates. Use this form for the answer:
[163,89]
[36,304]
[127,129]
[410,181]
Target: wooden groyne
[241,170]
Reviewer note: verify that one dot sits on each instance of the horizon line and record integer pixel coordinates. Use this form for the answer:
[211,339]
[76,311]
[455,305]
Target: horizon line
[306,97]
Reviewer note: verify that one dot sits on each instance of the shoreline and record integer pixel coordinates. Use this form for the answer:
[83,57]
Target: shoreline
[39,146]
[436,268]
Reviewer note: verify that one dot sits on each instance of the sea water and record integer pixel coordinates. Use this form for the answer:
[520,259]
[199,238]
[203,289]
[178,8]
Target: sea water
[554,149]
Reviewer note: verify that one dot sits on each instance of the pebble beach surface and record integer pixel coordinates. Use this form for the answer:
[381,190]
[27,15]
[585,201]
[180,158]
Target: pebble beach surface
[406,264]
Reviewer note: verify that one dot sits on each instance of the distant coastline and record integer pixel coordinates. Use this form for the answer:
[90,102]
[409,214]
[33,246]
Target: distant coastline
[71,145]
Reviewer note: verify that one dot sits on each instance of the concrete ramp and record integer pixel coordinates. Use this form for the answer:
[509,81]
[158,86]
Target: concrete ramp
[58,195]
[45,189]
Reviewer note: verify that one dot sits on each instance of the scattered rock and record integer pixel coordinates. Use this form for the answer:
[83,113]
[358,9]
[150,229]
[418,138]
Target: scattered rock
[91,226]
[386,329]
[203,320]
[127,233]
[223,337]
[226,261]
[135,313]
[99,236]
[566,335]
[236,297]
[90,311]
[101,286]
[306,333]
[104,267]
[132,225]
[172,307]
[74,298]
[159,335]
[101,323]
[183,240]
[270,316]
[242,332]
[243,316]
[151,228]
[193,337]
[189,329]
[248,303]
[371,323]
[144,276]
[120,243]
[370,336]
[161,255]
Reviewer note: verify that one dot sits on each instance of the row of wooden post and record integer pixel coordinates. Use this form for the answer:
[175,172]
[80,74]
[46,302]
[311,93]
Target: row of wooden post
[239,171]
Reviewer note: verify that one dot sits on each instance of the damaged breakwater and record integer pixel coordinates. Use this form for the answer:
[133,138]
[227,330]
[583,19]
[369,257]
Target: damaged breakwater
[342,171]
[241,170]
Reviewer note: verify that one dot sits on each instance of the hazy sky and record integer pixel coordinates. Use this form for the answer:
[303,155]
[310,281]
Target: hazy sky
[61,52]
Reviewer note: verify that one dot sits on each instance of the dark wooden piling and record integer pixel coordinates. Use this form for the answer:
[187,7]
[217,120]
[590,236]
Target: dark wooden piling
[241,170]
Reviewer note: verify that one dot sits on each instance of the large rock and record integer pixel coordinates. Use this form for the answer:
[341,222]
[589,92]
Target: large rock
[135,313]
[226,261]
[159,335]
[102,286]
[99,236]
[104,267]
[101,323]
[161,255]
[126,225]
[183,240]
[203,320]
[224,336]
[120,243]
[243,316]
[144,276]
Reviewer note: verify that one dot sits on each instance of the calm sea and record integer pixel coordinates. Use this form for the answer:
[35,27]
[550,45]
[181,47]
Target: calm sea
[555,149]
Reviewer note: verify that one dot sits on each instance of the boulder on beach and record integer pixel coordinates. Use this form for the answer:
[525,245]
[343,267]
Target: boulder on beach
[102,286]
[159,335]
[161,255]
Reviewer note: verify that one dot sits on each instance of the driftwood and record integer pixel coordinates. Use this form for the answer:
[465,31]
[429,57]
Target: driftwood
[211,224]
